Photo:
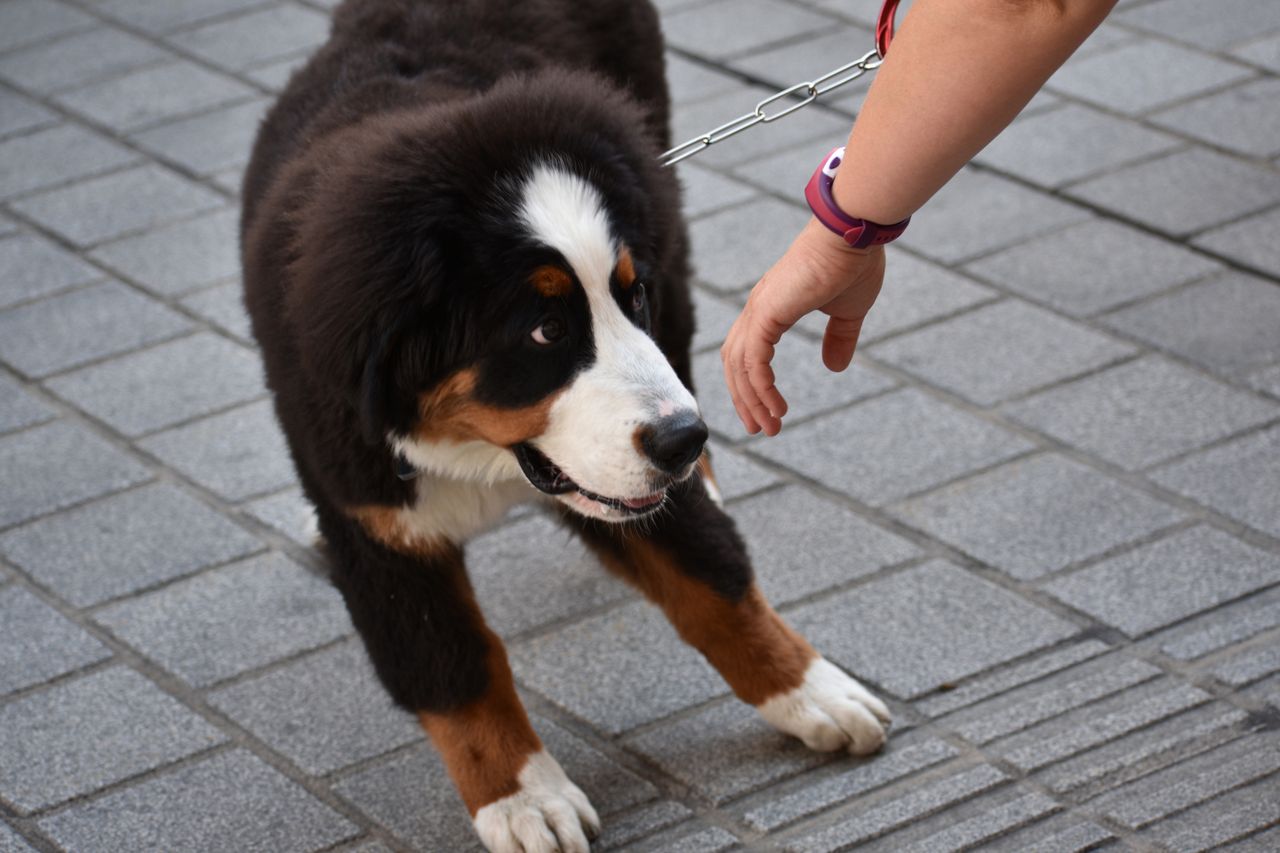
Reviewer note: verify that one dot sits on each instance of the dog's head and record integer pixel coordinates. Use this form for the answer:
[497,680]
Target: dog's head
[478,282]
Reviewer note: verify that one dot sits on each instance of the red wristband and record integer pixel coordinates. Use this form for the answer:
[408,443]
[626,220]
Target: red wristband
[858,233]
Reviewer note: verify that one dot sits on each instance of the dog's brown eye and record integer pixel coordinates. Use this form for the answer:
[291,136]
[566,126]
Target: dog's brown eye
[637,298]
[549,332]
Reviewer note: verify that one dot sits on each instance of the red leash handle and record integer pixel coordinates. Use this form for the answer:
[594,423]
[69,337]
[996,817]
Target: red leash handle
[884,26]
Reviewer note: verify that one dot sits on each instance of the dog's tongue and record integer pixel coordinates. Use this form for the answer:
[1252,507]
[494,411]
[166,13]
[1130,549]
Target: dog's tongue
[641,503]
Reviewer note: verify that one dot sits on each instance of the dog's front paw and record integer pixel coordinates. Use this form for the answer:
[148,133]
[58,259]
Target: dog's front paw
[830,710]
[547,814]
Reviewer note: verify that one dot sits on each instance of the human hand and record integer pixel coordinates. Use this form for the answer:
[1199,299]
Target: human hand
[818,272]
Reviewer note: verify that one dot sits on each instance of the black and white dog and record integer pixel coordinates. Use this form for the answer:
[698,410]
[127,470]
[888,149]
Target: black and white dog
[467,274]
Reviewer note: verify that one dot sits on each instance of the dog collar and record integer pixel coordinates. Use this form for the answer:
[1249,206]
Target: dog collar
[858,233]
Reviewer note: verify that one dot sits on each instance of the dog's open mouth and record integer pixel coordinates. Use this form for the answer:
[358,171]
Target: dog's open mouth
[545,476]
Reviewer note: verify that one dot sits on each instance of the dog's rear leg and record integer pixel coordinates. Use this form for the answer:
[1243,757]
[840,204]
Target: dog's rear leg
[432,650]
[691,563]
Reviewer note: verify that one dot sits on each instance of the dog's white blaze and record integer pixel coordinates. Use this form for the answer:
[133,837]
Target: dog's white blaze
[630,383]
[548,813]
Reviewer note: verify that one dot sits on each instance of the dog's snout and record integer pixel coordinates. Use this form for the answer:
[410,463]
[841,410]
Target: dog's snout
[674,441]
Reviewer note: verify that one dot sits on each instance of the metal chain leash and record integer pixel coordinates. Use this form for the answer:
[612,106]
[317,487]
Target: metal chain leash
[807,92]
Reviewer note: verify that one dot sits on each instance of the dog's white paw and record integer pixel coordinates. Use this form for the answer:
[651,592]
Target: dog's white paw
[549,814]
[830,710]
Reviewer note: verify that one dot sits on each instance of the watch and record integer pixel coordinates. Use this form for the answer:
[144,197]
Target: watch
[858,233]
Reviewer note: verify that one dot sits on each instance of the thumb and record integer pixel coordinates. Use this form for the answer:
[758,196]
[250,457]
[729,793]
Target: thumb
[839,342]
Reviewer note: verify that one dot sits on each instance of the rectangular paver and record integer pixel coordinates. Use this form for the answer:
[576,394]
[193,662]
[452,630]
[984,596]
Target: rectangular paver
[37,643]
[153,95]
[1237,479]
[177,258]
[31,267]
[54,156]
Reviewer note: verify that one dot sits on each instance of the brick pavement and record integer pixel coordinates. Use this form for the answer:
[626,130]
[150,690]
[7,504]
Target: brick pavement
[1041,515]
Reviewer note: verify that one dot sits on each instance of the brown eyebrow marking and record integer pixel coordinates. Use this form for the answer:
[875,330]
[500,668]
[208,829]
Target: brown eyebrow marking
[551,281]
[626,268]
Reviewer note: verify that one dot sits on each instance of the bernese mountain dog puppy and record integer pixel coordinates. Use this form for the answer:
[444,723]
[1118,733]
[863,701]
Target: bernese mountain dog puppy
[467,273]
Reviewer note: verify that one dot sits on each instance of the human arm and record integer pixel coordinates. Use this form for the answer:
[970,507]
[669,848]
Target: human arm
[957,74]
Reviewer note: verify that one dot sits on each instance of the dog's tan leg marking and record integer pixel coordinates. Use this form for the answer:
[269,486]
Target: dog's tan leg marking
[518,796]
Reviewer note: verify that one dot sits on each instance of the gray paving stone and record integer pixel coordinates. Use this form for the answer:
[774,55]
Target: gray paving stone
[1192,781]
[19,114]
[972,824]
[178,258]
[644,821]
[229,803]
[1223,627]
[728,27]
[275,75]
[1010,677]
[533,572]
[165,385]
[411,796]
[1137,77]
[1263,842]
[56,155]
[237,454]
[324,712]
[1248,665]
[911,806]
[1227,324]
[11,842]
[1034,703]
[81,735]
[221,623]
[26,21]
[977,213]
[124,543]
[1232,21]
[1267,379]
[705,191]
[1236,479]
[1141,413]
[289,513]
[724,751]
[713,317]
[916,292]
[1097,724]
[208,143]
[1167,581]
[801,543]
[804,381]
[899,758]
[1250,241]
[19,409]
[732,249]
[1063,832]
[1183,192]
[692,81]
[222,306]
[783,173]
[54,466]
[37,643]
[1038,515]
[1245,119]
[78,59]
[1235,814]
[1000,351]
[1140,752]
[153,95]
[164,17]
[925,627]
[31,267]
[256,37]
[1264,52]
[111,206]
[68,330]
[591,668]
[893,446]
[1093,267]
[736,475]
[706,839]
[817,130]
[1070,143]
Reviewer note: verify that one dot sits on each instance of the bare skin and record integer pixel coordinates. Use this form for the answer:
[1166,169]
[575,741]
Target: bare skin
[958,72]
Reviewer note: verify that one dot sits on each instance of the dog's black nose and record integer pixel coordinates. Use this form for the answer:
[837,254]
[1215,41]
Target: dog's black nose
[675,441]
